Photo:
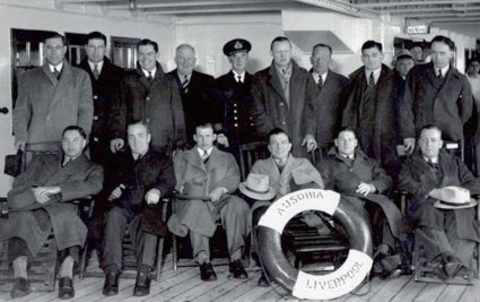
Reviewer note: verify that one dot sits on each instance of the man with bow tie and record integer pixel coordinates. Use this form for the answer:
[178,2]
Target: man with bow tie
[50,98]
[236,96]
[205,171]
[148,94]
[41,200]
[330,97]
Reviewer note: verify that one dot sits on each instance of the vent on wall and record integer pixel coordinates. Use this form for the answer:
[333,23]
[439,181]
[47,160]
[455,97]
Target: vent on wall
[305,39]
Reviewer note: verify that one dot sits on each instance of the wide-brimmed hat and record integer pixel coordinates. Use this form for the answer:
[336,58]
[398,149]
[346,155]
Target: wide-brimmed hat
[452,197]
[257,186]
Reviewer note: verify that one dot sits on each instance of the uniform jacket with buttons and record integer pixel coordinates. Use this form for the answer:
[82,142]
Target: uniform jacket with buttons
[105,90]
[237,104]
[272,111]
[45,105]
[158,103]
[448,105]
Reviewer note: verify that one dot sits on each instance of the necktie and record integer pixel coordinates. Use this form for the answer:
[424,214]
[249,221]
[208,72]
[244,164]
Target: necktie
[185,83]
[56,73]
[438,73]
[205,156]
[320,81]
[238,78]
[150,76]
[66,160]
[371,80]
[96,72]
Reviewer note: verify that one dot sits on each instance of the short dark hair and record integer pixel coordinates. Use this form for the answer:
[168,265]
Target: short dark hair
[372,44]
[204,125]
[54,35]
[144,42]
[96,35]
[277,131]
[139,122]
[445,40]
[75,128]
[279,39]
[346,129]
[322,45]
[430,127]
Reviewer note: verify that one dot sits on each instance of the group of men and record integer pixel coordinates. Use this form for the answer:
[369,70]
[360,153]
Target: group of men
[153,131]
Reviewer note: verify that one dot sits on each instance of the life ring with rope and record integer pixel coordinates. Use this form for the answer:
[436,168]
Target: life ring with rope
[305,285]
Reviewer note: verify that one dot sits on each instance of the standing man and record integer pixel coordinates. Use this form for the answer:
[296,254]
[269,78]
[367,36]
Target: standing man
[369,110]
[330,98]
[50,98]
[197,91]
[148,94]
[105,78]
[437,93]
[283,95]
[235,92]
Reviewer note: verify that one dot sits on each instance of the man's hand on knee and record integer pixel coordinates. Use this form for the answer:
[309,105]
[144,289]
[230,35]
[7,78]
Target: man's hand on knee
[153,196]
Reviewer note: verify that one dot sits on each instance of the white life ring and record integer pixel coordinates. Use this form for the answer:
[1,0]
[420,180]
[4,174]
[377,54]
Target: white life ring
[304,285]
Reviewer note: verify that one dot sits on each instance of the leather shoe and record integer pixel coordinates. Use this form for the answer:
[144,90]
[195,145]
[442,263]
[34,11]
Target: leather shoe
[263,282]
[110,287]
[65,288]
[142,283]
[237,270]
[207,273]
[452,268]
[21,287]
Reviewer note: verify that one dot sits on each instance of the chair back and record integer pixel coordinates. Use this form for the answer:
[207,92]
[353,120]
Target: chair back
[248,154]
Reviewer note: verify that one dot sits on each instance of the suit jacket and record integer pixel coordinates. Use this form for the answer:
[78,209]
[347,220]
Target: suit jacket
[271,109]
[418,178]
[78,179]
[382,142]
[448,105]
[328,105]
[237,104]
[45,105]
[200,101]
[105,91]
[197,178]
[157,103]
[297,173]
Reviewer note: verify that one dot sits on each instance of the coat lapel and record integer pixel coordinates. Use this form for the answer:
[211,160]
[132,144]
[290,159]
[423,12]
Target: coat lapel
[49,75]
[274,82]
[63,84]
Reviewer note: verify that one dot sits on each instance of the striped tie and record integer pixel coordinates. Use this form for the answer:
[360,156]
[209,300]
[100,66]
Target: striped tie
[96,72]
[185,83]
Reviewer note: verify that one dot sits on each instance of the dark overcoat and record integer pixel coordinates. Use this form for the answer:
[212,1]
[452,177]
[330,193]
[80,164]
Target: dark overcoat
[328,106]
[272,111]
[200,102]
[153,170]
[79,178]
[158,103]
[447,104]
[418,178]
[105,91]
[237,104]
[382,143]
[45,105]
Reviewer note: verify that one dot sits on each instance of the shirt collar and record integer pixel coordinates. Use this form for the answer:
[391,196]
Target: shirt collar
[316,76]
[57,67]
[431,160]
[444,70]
[376,74]
[152,72]
[242,75]
[182,76]
[99,65]
[202,151]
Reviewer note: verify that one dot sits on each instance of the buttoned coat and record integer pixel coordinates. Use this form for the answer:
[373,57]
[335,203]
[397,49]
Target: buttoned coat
[79,178]
[157,103]
[272,111]
[418,178]
[45,105]
[200,100]
[197,178]
[382,142]
[105,91]
[237,104]
[328,106]
[448,105]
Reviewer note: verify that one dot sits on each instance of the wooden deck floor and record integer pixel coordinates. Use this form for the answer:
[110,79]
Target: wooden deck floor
[185,285]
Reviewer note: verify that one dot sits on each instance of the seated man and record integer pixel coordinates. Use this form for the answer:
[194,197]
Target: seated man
[448,236]
[286,174]
[143,176]
[362,182]
[211,174]
[39,202]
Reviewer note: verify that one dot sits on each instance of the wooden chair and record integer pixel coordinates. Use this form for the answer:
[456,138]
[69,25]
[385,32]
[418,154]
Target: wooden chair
[248,154]
[129,254]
